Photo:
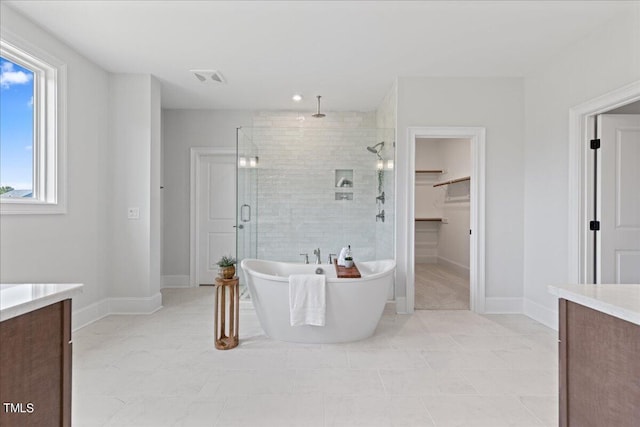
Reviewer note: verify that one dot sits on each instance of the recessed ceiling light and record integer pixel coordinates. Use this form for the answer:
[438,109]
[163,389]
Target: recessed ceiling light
[297,97]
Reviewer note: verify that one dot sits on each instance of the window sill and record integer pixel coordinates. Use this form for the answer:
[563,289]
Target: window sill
[31,208]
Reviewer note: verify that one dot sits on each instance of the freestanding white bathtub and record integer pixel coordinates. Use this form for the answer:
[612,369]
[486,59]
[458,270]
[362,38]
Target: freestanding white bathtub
[354,306]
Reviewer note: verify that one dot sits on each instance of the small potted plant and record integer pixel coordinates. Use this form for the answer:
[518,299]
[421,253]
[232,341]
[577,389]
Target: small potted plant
[348,262]
[227,267]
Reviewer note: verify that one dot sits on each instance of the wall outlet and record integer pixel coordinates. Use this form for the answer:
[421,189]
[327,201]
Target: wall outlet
[133,213]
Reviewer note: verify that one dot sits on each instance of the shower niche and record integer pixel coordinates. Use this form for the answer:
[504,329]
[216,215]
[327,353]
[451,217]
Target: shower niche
[343,180]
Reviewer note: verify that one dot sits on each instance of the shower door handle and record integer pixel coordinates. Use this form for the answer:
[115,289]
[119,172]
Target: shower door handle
[245,213]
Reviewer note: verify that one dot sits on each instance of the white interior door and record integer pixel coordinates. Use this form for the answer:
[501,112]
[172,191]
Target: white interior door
[216,213]
[620,198]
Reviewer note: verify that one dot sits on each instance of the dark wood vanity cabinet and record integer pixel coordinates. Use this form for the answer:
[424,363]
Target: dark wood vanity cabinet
[599,368]
[35,367]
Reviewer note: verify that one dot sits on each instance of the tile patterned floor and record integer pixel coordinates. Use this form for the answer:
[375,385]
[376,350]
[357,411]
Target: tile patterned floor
[440,288]
[432,368]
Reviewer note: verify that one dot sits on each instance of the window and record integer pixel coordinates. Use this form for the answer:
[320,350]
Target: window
[16,130]
[32,143]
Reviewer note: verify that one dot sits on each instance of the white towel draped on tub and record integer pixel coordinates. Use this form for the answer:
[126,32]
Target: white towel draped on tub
[307,299]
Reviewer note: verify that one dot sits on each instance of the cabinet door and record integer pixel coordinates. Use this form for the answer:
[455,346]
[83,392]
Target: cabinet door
[599,368]
[35,379]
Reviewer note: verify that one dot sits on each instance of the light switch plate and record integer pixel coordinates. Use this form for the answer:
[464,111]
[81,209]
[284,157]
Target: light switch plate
[133,213]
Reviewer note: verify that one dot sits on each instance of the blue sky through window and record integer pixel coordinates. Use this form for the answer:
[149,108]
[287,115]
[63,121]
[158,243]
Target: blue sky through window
[16,126]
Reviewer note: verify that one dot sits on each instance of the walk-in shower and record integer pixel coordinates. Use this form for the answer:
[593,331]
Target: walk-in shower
[313,188]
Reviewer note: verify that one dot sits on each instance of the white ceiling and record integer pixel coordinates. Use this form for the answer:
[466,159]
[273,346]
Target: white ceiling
[349,52]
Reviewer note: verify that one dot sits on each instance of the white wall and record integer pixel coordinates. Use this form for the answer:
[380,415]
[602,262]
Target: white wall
[129,154]
[183,129]
[387,110]
[155,193]
[497,105]
[134,155]
[67,247]
[113,162]
[607,60]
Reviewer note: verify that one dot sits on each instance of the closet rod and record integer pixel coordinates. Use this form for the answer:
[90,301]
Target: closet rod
[453,181]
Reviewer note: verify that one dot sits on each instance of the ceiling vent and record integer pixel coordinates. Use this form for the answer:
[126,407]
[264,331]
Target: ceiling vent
[209,76]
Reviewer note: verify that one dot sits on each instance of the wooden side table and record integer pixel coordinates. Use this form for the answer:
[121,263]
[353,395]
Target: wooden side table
[226,313]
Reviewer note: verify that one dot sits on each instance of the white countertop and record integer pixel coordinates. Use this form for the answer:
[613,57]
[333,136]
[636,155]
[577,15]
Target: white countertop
[621,301]
[17,299]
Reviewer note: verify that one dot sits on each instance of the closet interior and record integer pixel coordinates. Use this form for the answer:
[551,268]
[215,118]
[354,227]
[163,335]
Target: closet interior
[442,215]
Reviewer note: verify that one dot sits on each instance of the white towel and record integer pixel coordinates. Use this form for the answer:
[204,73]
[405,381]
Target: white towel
[307,299]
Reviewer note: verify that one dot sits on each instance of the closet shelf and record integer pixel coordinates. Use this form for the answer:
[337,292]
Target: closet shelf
[429,219]
[453,181]
[429,171]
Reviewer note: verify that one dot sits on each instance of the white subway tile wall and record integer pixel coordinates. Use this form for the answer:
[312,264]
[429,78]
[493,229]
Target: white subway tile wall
[297,210]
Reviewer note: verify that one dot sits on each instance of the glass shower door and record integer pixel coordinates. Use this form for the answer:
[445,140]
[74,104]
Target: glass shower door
[247,196]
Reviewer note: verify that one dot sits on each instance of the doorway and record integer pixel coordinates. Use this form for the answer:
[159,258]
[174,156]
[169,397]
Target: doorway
[613,177]
[586,258]
[442,223]
[476,138]
[213,211]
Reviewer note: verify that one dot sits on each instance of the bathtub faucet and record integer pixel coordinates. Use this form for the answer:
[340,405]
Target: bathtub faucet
[316,252]
[306,258]
[331,257]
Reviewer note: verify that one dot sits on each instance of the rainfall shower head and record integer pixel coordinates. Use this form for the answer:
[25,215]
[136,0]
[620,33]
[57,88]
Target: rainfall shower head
[375,150]
[318,115]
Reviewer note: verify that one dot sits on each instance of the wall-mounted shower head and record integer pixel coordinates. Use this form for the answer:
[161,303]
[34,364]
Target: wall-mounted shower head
[375,150]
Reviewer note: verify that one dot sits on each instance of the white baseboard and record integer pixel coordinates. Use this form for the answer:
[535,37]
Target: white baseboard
[144,305]
[89,314]
[426,259]
[103,308]
[174,281]
[541,313]
[503,305]
[458,268]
